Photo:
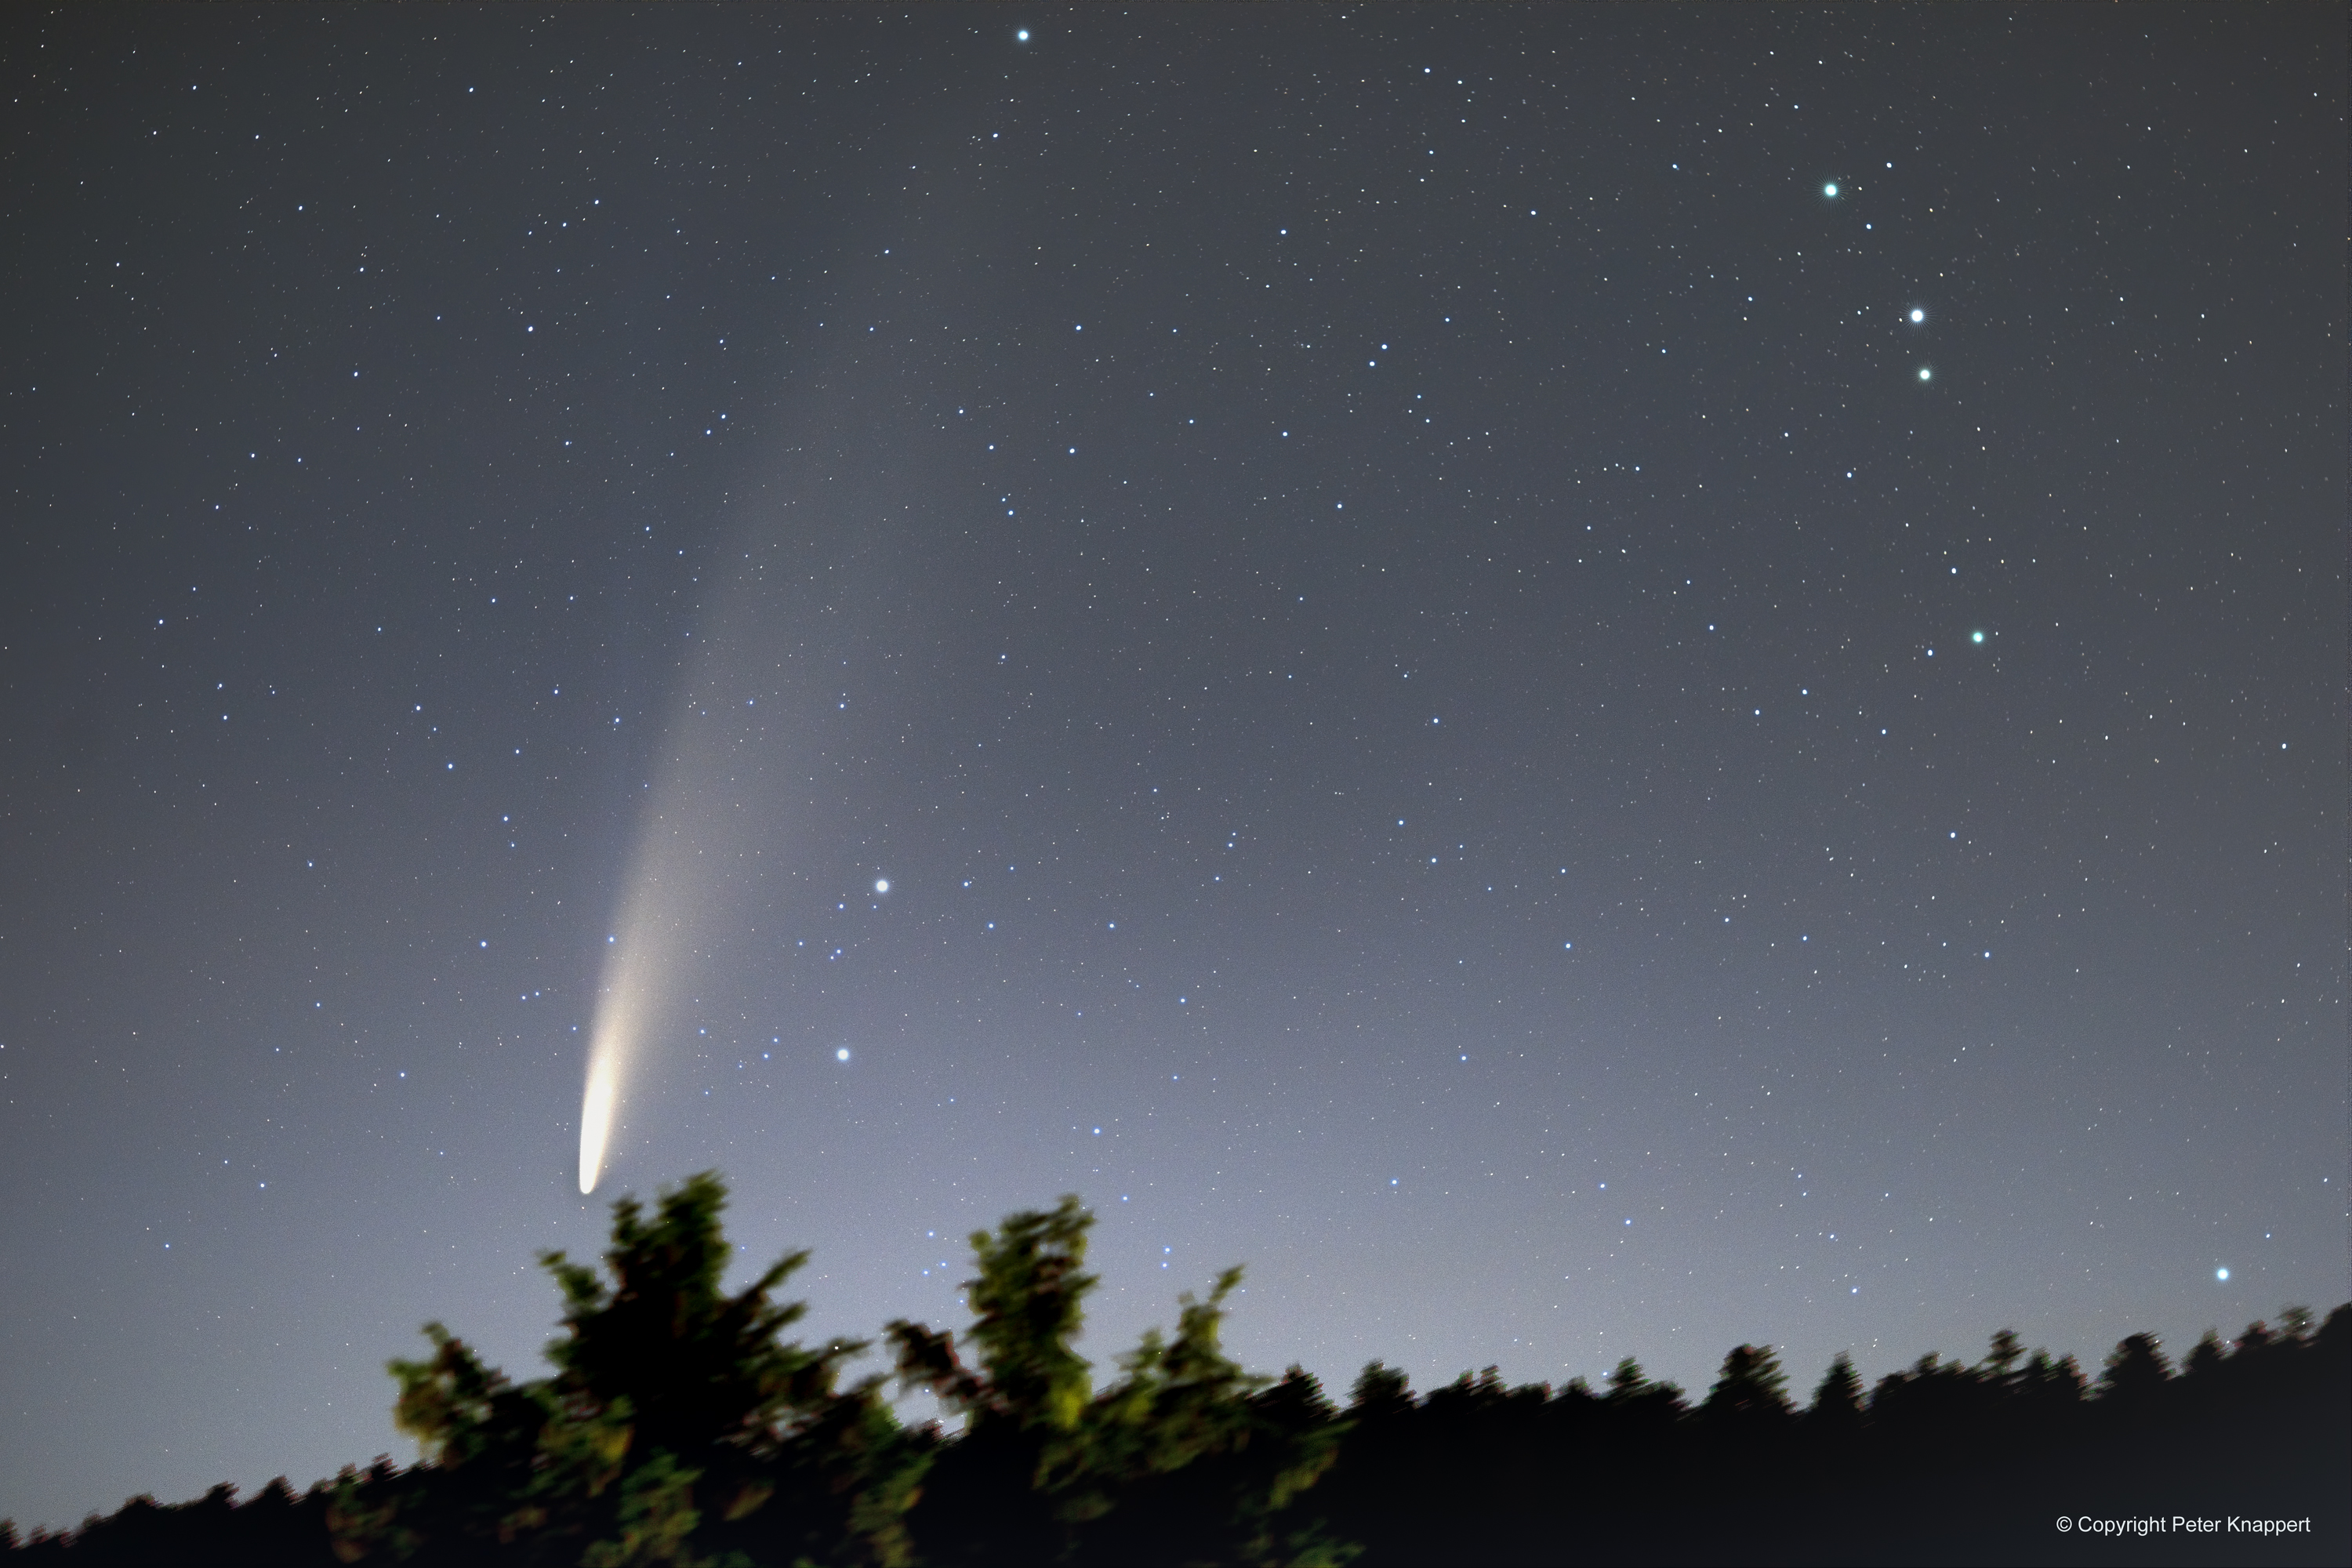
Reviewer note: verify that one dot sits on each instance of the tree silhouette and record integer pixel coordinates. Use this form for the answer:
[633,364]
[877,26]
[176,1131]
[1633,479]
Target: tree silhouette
[1380,1390]
[677,1414]
[1029,1301]
[681,1425]
[1836,1409]
[2136,1369]
[1177,1461]
[1750,1389]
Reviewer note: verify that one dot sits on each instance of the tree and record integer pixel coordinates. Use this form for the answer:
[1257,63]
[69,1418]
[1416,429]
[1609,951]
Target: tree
[1751,1388]
[1640,1409]
[2049,1385]
[1028,1302]
[1380,1391]
[1836,1408]
[679,1427]
[1177,1461]
[2135,1371]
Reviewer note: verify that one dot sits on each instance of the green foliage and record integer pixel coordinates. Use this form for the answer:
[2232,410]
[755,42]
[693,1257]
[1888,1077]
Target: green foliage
[1029,1301]
[680,1427]
[1177,1402]
[694,1366]
[1178,1460]
[656,1519]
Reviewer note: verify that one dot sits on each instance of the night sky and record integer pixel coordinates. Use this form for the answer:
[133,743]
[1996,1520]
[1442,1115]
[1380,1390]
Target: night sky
[1583,681]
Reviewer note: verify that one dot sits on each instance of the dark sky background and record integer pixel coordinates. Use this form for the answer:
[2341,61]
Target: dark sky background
[1457,701]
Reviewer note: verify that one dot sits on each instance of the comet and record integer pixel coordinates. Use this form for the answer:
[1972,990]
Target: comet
[673,894]
[641,957]
[619,1030]
[596,1112]
[718,839]
[707,839]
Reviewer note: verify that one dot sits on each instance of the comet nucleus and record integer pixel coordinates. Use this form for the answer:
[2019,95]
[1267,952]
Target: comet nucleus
[597,1118]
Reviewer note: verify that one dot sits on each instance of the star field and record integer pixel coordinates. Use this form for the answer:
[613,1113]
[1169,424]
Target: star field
[1581,684]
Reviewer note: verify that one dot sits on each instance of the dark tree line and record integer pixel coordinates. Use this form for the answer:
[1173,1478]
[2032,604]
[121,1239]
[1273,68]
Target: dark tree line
[681,1426]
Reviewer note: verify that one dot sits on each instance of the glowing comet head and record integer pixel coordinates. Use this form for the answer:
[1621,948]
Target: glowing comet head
[620,1026]
[596,1117]
[700,851]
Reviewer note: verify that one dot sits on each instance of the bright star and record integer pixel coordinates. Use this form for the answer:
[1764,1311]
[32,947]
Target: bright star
[1917,315]
[1021,37]
[842,1055]
[1924,373]
[882,884]
[1976,637]
[1830,189]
